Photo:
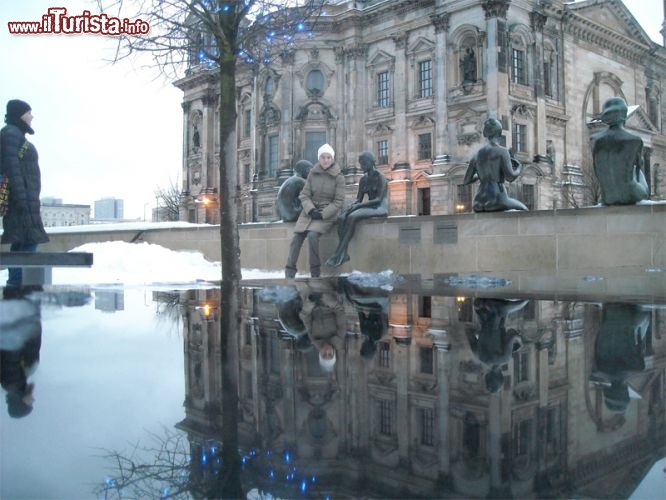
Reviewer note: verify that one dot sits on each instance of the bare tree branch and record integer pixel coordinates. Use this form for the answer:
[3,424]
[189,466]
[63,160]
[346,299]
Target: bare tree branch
[580,187]
[168,202]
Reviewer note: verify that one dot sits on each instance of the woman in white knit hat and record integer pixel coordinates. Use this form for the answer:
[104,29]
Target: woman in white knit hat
[322,199]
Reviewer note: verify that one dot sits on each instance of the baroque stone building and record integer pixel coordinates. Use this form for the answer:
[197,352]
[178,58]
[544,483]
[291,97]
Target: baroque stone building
[413,82]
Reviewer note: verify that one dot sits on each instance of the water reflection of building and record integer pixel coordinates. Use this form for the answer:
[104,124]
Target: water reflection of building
[110,300]
[418,419]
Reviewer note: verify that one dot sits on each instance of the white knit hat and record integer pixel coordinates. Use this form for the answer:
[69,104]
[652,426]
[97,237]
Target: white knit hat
[327,364]
[326,148]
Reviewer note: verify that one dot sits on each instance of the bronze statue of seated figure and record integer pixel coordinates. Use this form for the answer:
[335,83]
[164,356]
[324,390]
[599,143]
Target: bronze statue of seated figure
[492,165]
[618,158]
[375,186]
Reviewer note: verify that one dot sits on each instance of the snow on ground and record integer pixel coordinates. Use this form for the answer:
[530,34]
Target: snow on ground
[131,264]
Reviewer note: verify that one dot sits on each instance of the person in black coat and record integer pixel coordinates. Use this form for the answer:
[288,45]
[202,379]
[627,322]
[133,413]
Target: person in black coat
[22,224]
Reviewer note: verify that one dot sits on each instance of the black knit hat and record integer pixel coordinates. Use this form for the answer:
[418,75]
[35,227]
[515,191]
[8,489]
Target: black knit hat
[16,109]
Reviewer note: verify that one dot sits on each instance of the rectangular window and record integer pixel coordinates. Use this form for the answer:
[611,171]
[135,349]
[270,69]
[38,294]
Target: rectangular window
[522,437]
[272,152]
[247,123]
[463,198]
[425,306]
[274,353]
[382,152]
[385,417]
[519,138]
[248,334]
[423,201]
[384,358]
[528,195]
[313,141]
[552,431]
[247,173]
[426,358]
[518,66]
[425,78]
[427,426]
[521,367]
[425,147]
[247,385]
[383,96]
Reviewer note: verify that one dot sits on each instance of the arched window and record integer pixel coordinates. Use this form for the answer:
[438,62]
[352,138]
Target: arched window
[518,63]
[520,54]
[269,86]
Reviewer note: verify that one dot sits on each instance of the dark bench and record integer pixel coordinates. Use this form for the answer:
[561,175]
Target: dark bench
[38,265]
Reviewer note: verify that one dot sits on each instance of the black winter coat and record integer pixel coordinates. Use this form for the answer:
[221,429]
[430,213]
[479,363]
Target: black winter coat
[23,222]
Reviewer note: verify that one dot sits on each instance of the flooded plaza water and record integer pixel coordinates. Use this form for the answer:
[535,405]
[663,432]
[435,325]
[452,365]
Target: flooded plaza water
[332,388]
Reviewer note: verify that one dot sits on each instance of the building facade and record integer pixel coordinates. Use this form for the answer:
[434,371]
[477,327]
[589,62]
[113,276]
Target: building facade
[413,82]
[55,213]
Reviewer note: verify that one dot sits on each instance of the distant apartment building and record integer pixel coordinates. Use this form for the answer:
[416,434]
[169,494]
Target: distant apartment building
[56,213]
[109,209]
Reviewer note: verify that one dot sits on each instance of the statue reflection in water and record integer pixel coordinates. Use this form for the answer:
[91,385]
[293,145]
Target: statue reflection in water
[20,343]
[493,343]
[372,308]
[619,352]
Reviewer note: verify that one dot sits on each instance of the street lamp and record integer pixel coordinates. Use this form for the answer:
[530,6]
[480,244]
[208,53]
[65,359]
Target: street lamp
[208,198]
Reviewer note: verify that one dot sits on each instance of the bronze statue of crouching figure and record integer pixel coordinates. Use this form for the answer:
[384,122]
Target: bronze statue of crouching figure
[492,165]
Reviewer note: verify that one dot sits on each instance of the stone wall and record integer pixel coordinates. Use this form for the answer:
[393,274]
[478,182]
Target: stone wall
[577,240]
[569,240]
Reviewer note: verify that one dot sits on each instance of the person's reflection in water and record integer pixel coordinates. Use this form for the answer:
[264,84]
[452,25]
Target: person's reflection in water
[493,343]
[20,342]
[619,351]
[323,316]
[372,308]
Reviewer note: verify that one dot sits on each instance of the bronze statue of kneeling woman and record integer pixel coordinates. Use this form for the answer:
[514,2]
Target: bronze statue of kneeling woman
[492,165]
[372,183]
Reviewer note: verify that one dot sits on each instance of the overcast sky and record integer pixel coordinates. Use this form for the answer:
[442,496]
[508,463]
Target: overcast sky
[111,131]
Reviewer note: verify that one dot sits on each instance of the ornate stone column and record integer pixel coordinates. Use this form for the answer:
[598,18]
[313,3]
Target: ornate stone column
[442,346]
[496,57]
[538,21]
[441,23]
[399,89]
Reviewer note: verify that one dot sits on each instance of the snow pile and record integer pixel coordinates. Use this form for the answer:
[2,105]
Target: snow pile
[121,263]
[383,280]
